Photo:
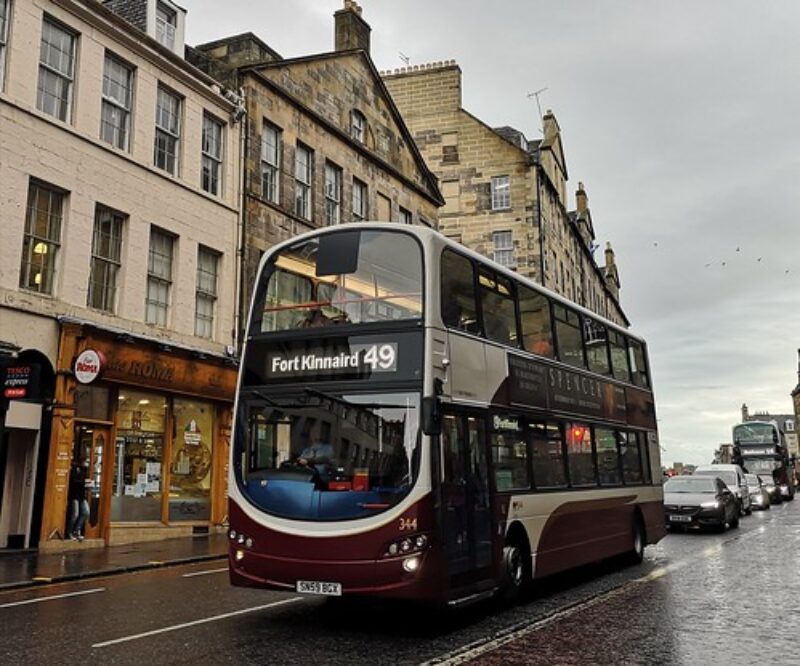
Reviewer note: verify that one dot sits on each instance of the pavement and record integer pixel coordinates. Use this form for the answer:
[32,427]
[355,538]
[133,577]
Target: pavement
[29,568]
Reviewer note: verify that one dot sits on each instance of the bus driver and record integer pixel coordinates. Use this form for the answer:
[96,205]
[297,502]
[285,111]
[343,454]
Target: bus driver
[317,455]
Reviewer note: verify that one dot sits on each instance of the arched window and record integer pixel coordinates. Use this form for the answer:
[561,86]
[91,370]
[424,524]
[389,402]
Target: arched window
[358,126]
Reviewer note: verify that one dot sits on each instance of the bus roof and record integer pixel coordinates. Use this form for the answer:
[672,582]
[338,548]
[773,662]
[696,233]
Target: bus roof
[427,234]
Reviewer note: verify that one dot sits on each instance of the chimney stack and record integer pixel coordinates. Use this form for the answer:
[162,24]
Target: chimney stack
[581,200]
[611,273]
[350,30]
[745,412]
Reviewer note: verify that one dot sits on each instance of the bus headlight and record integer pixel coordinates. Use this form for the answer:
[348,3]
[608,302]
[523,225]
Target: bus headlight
[232,535]
[411,564]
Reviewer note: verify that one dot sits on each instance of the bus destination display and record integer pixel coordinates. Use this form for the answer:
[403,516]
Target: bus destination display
[393,357]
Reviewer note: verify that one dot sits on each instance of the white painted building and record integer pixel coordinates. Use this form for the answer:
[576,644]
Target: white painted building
[119,211]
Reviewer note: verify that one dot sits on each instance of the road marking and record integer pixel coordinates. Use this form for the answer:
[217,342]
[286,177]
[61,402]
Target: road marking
[55,596]
[194,623]
[204,573]
[42,579]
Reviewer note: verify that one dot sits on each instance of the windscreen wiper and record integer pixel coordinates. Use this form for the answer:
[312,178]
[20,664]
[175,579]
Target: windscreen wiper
[354,405]
[273,403]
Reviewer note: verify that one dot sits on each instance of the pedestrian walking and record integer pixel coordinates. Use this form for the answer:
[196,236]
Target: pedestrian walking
[78,504]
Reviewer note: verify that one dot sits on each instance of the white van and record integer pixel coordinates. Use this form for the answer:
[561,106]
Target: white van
[733,476]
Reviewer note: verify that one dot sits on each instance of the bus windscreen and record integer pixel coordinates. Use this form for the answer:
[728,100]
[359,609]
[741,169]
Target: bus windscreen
[370,277]
[755,433]
[327,457]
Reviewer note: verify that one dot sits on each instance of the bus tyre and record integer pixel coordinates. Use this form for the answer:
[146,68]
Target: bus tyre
[516,571]
[636,554]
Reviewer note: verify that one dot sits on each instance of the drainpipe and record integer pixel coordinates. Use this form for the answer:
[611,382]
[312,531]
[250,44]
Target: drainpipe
[237,333]
[539,216]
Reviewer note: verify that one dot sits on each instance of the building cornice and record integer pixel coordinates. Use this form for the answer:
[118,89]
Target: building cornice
[149,339]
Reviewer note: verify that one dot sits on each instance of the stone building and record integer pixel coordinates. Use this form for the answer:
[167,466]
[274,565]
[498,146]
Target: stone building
[118,224]
[506,196]
[325,142]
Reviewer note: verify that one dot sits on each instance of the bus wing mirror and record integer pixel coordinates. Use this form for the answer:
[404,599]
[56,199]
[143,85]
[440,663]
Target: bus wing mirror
[431,416]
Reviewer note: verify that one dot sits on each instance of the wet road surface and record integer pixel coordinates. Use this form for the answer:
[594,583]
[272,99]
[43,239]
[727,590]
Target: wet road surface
[698,598]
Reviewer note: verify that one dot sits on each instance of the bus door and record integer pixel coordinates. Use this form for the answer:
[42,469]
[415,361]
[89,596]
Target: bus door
[467,515]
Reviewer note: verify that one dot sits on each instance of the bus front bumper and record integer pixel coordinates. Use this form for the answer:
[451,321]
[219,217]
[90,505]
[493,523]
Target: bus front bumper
[402,577]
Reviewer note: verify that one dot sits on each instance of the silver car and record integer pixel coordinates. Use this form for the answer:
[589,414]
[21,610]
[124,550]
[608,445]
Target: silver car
[733,476]
[759,497]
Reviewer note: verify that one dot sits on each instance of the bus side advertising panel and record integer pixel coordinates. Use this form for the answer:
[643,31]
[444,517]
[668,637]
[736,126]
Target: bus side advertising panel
[535,384]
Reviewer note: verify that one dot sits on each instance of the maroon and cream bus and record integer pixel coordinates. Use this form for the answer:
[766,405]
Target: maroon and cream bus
[415,421]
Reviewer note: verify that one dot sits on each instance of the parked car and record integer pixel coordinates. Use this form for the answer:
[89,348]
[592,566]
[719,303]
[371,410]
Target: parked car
[773,489]
[759,497]
[699,501]
[733,476]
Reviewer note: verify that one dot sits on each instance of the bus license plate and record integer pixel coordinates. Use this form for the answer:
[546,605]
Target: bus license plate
[680,519]
[318,587]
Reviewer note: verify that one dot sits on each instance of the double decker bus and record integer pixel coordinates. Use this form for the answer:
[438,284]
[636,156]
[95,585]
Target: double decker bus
[414,421]
[760,448]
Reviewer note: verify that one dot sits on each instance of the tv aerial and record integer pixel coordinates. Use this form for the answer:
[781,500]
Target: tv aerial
[536,95]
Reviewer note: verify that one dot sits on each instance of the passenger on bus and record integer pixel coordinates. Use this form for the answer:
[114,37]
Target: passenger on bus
[313,319]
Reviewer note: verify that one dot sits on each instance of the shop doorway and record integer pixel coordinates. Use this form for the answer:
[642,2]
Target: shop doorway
[91,443]
[18,455]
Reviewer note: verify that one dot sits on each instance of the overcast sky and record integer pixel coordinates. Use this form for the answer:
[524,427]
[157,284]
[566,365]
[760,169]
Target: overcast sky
[680,117]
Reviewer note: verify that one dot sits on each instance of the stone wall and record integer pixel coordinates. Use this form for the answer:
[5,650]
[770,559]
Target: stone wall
[465,154]
[315,112]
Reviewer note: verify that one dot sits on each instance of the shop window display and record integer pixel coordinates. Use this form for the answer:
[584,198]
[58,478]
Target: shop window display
[190,467]
[139,456]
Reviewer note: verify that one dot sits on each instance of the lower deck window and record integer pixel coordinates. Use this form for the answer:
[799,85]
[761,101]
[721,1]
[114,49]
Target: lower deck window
[548,455]
[607,456]
[579,455]
[509,455]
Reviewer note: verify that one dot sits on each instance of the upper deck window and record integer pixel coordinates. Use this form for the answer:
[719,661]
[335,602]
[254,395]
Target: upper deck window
[458,293]
[497,306]
[619,358]
[534,314]
[596,336]
[352,277]
[568,335]
[638,364]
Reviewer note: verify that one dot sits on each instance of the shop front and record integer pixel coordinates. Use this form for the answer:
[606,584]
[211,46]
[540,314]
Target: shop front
[150,424]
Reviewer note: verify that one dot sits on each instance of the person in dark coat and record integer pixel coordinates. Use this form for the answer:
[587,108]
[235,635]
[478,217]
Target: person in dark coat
[78,504]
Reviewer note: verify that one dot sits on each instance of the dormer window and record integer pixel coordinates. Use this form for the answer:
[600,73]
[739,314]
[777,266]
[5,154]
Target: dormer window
[358,126]
[166,23]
